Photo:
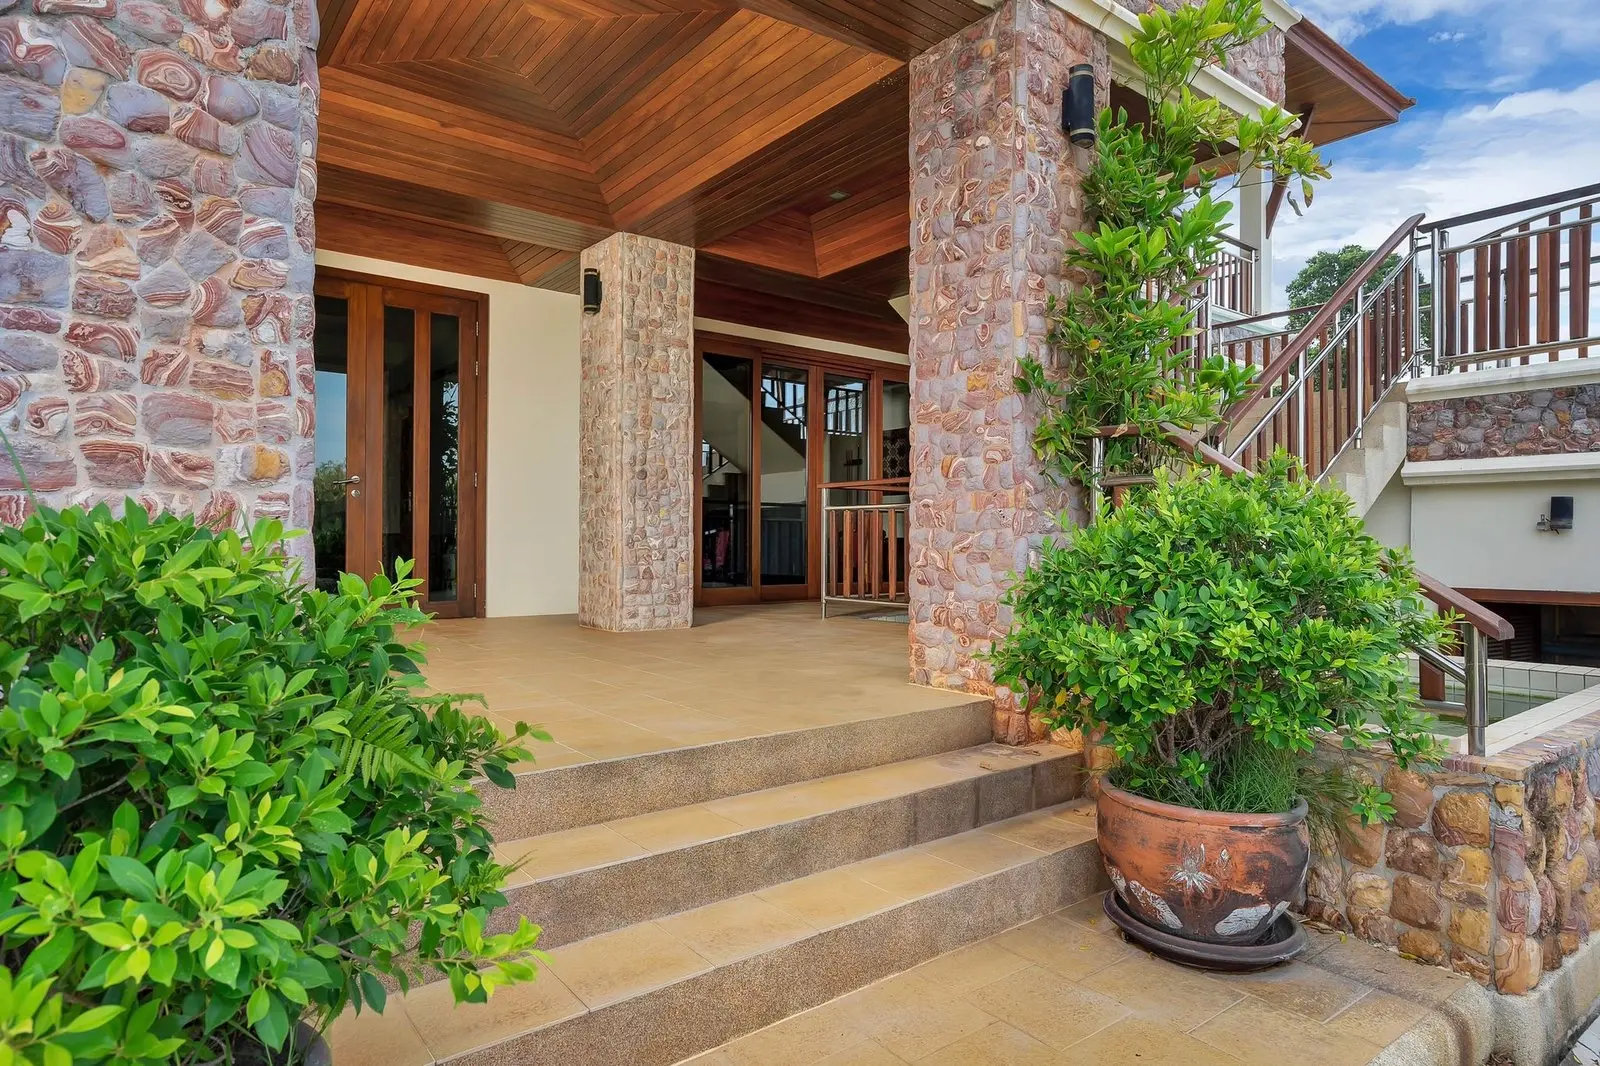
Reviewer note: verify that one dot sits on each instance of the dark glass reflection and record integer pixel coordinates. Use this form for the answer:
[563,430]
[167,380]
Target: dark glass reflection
[725,471]
[331,345]
[399,407]
[785,488]
[444,456]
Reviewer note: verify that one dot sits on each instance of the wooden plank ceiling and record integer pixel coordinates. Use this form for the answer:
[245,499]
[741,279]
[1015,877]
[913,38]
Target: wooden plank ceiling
[501,137]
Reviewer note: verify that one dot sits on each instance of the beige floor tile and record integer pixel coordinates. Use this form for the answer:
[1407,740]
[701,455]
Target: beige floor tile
[372,1039]
[1063,947]
[1179,998]
[664,830]
[541,712]
[798,1041]
[1259,1034]
[829,899]
[871,1053]
[996,1045]
[1300,988]
[971,967]
[1378,1017]
[980,852]
[1048,1007]
[1091,913]
[607,738]
[756,810]
[911,874]
[911,1017]
[614,966]
[1144,1042]
[718,1057]
[736,928]
[451,1029]
[554,854]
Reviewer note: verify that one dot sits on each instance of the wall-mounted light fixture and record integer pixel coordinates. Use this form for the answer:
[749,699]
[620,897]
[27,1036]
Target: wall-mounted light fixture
[1559,518]
[1077,106]
[591,291]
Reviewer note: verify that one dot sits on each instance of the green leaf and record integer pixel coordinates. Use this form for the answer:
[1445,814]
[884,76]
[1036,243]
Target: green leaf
[133,877]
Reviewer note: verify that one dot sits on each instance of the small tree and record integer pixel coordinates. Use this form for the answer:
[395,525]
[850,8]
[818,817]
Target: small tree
[1158,214]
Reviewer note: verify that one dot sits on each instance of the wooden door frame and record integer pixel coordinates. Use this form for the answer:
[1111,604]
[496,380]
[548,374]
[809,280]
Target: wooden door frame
[818,364]
[336,281]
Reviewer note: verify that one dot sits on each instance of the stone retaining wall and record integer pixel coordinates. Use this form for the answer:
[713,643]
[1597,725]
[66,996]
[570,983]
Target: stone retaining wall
[1537,422]
[157,170]
[1491,865]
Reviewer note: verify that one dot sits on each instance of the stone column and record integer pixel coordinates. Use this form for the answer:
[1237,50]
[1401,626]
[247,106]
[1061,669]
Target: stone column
[995,196]
[157,170]
[636,439]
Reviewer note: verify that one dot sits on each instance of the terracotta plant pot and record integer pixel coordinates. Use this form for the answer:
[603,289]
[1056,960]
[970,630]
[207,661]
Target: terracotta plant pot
[1208,876]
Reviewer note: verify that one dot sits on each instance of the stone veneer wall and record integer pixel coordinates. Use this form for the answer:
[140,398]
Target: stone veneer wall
[1491,866]
[1538,422]
[995,192]
[157,171]
[1258,64]
[636,448]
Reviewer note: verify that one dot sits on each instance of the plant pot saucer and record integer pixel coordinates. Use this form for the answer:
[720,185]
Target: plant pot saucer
[1283,942]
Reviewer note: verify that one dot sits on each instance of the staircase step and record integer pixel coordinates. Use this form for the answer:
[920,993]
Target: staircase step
[547,800]
[655,992]
[582,882]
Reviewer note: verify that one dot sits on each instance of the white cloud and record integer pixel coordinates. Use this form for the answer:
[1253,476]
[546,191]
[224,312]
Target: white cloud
[1446,37]
[1521,146]
[1519,36]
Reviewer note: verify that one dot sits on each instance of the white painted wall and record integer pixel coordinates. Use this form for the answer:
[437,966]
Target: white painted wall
[1476,534]
[1389,517]
[532,489]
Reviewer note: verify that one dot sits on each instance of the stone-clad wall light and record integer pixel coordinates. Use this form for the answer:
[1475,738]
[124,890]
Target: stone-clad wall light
[591,291]
[1077,106]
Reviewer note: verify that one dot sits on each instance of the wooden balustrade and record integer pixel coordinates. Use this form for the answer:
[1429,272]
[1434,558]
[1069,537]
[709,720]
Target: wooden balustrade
[864,542]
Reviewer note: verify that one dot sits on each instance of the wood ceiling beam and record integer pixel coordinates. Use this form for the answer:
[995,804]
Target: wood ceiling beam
[403,240]
[341,185]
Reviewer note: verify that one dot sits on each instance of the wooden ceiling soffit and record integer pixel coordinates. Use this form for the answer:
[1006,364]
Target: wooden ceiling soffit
[710,267]
[658,147]
[413,140]
[533,262]
[898,30]
[404,240]
[340,185]
[781,241]
[863,227]
[562,277]
[864,133]
[730,303]
[1349,97]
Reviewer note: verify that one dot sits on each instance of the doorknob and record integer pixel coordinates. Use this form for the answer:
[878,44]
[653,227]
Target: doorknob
[353,479]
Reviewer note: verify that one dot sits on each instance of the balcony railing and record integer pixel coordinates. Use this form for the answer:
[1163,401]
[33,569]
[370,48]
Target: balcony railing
[864,543]
[1520,291]
[1232,282]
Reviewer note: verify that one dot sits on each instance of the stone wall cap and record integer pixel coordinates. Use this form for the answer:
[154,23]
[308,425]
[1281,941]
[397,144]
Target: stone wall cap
[1502,379]
[1560,466]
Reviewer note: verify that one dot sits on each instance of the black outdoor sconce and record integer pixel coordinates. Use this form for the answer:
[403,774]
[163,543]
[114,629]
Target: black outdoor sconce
[591,291]
[1077,106]
[1559,518]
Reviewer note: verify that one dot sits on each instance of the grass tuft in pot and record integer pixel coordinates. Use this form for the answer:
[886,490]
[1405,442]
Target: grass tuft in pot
[1213,628]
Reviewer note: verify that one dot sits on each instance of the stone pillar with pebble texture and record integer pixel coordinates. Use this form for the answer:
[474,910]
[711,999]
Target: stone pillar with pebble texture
[995,196]
[636,447]
[157,171]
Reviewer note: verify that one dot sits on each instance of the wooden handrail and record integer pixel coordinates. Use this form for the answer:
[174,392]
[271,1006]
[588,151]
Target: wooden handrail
[1295,348]
[883,484]
[1447,598]
[1521,205]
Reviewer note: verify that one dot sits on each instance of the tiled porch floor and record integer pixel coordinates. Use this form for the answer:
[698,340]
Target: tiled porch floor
[1067,988]
[740,672]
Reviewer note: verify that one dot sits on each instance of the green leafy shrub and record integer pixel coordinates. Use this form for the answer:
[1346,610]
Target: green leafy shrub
[1158,216]
[225,802]
[1215,621]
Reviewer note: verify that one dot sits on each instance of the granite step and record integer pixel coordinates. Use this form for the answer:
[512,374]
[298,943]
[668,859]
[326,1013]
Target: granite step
[655,992]
[581,882]
[550,799]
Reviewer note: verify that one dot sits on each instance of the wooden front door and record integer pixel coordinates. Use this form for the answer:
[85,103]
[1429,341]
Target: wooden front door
[398,436]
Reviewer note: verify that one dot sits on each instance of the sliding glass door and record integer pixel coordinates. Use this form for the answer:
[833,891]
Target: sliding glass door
[774,426]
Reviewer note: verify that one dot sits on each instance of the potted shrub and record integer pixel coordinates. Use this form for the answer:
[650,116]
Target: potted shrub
[226,806]
[1209,633]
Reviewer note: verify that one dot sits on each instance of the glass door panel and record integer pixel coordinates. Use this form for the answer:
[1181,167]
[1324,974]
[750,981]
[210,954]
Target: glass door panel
[444,457]
[785,489]
[845,456]
[330,524]
[726,465]
[399,405]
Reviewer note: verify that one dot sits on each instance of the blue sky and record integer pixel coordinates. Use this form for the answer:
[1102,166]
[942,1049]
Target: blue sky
[1508,107]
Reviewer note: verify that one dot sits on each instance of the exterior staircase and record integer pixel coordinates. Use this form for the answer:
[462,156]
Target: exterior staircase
[694,895]
[1372,459]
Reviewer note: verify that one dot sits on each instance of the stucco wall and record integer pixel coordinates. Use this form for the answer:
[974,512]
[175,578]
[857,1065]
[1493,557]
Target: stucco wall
[1482,535]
